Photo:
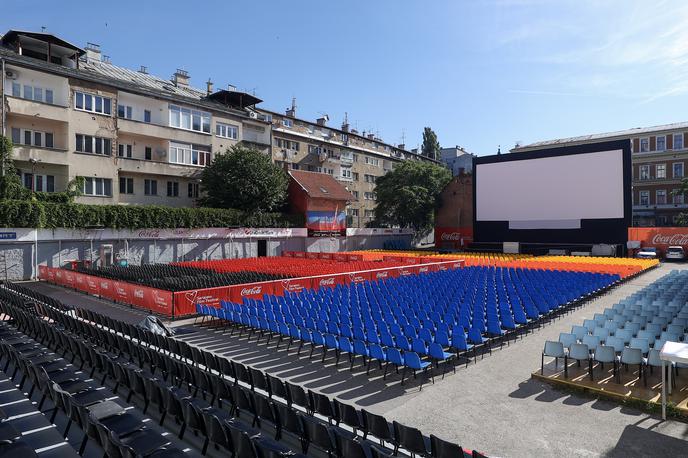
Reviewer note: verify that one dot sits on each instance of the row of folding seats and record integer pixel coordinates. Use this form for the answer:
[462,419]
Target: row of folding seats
[84,404]
[177,278]
[204,372]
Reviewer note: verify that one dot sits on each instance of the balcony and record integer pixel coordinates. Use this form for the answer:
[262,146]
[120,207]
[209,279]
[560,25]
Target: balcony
[165,132]
[139,166]
[346,158]
[42,154]
[34,109]
[254,136]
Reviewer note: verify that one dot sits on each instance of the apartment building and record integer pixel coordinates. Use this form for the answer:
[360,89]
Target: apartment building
[457,159]
[355,159]
[659,161]
[135,138]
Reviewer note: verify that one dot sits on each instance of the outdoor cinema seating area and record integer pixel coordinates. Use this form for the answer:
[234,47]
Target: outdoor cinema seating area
[114,389]
[414,322]
[627,338]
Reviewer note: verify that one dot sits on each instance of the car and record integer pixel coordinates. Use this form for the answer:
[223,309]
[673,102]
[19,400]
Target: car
[648,252]
[675,253]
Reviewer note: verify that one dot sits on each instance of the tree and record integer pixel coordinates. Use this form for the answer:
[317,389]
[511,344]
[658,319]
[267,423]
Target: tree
[682,219]
[408,195]
[10,183]
[431,147]
[245,179]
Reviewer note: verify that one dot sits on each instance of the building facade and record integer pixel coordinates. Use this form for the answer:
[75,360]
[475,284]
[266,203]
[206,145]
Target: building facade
[660,163]
[134,138]
[457,159]
[355,159]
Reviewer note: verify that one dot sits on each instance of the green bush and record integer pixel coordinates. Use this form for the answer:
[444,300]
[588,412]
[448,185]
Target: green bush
[50,215]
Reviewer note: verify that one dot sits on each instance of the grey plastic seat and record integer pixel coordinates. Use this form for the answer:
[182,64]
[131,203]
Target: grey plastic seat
[605,354]
[579,331]
[602,333]
[553,350]
[633,327]
[581,352]
[624,334]
[611,326]
[632,356]
[649,335]
[590,325]
[592,341]
[642,344]
[567,339]
[616,342]
[654,328]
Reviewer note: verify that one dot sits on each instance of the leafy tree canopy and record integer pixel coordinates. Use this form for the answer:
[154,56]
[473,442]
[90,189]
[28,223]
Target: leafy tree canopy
[408,195]
[245,179]
[431,147]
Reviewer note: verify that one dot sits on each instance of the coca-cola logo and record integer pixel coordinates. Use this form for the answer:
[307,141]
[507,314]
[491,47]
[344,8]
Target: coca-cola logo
[423,269]
[104,285]
[138,293]
[384,274]
[121,291]
[327,281]
[451,236]
[670,239]
[251,291]
[404,272]
[149,233]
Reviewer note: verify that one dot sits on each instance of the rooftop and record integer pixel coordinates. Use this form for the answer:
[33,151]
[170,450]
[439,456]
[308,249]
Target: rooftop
[603,136]
[320,185]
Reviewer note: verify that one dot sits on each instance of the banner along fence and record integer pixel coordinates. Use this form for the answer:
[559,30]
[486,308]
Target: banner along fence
[183,303]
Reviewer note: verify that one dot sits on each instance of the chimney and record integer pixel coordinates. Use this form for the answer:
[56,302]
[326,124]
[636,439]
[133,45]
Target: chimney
[291,112]
[345,124]
[143,70]
[93,53]
[371,136]
[231,88]
[209,86]
[354,131]
[181,78]
[401,146]
[321,121]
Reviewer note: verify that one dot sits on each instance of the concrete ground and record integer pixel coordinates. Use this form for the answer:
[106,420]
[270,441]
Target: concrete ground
[493,406]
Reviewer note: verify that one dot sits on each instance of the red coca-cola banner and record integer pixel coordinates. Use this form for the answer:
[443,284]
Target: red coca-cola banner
[312,255]
[250,291]
[43,272]
[359,277]
[325,256]
[659,237]
[341,257]
[288,254]
[185,301]
[327,281]
[70,279]
[354,257]
[299,254]
[453,237]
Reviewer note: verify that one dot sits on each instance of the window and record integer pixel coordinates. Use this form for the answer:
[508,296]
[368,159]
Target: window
[369,196]
[644,145]
[369,213]
[150,187]
[352,211]
[146,116]
[148,153]
[371,178]
[49,96]
[185,118]
[126,185]
[92,103]
[28,92]
[181,153]
[314,149]
[193,190]
[354,175]
[50,183]
[355,193]
[678,170]
[677,196]
[660,171]
[372,161]
[346,173]
[32,138]
[661,143]
[172,189]
[660,197]
[678,141]
[93,145]
[644,197]
[226,131]
[355,157]
[286,144]
[644,172]
[287,122]
[16,89]
[124,150]
[124,111]
[98,186]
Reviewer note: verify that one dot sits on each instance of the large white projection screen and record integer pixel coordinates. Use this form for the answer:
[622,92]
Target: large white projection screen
[551,192]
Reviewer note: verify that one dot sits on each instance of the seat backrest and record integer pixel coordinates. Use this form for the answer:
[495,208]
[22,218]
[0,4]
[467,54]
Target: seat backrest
[377,425]
[616,342]
[605,354]
[553,349]
[439,448]
[567,339]
[410,438]
[642,344]
[579,351]
[632,356]
[592,341]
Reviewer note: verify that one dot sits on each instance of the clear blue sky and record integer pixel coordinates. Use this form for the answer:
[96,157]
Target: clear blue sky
[481,73]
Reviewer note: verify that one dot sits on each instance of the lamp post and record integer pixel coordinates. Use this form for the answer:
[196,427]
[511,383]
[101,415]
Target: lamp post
[33,174]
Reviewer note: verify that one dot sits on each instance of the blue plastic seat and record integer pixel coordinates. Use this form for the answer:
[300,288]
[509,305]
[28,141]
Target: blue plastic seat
[438,354]
[393,356]
[375,351]
[413,361]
